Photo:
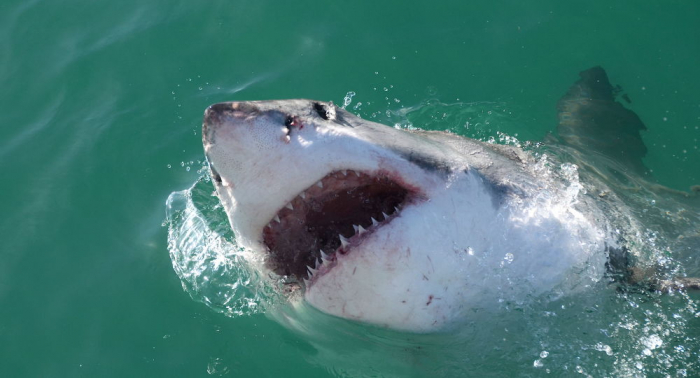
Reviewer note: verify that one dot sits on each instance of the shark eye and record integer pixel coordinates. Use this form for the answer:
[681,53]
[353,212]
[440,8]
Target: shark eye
[322,111]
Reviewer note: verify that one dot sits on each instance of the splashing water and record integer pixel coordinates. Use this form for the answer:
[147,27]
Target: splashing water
[211,267]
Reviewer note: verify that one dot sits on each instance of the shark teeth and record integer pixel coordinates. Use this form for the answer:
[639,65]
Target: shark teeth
[319,184]
[311,270]
[343,241]
[356,189]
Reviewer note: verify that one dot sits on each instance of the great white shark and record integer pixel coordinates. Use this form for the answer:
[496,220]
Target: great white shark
[413,230]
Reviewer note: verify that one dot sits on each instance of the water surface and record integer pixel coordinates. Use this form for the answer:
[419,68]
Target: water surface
[100,123]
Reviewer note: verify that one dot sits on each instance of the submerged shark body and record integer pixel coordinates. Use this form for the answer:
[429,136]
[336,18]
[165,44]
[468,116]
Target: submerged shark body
[410,230]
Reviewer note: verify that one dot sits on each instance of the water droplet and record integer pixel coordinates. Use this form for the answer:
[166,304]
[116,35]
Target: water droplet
[216,367]
[348,99]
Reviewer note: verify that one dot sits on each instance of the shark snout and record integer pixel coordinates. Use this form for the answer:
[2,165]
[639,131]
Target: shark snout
[218,113]
[224,113]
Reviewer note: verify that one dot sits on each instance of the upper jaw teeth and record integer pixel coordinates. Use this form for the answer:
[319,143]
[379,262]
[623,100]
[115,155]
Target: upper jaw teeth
[301,197]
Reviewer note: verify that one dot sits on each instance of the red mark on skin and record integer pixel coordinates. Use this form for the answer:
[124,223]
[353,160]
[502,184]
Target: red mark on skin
[430,300]
[296,123]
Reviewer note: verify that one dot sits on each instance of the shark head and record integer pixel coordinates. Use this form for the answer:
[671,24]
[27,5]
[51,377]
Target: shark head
[408,230]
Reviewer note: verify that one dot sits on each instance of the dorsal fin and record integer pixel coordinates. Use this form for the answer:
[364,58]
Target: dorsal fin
[590,119]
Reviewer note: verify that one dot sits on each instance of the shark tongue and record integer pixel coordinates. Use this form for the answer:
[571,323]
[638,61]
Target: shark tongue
[325,216]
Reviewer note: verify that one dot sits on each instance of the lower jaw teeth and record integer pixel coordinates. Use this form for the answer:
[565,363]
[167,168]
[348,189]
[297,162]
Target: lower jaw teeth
[343,241]
[311,271]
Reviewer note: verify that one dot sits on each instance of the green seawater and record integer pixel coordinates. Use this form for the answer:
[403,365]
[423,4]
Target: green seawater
[100,115]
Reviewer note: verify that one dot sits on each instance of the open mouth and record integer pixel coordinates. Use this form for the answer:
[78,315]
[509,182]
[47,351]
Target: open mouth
[330,218]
